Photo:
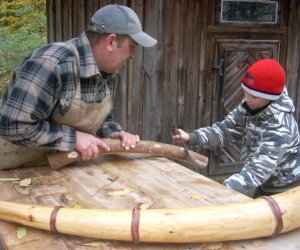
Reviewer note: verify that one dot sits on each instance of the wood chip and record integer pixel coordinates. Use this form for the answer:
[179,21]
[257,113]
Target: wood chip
[22,190]
[195,196]
[120,192]
[21,232]
[214,246]
[96,244]
[25,182]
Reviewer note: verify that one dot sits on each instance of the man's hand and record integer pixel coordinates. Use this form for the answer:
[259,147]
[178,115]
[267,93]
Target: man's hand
[87,145]
[181,135]
[128,140]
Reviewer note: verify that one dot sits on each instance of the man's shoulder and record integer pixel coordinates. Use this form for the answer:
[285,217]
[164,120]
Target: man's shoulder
[57,52]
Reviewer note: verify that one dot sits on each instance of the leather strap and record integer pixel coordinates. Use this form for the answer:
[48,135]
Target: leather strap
[53,218]
[135,223]
[277,213]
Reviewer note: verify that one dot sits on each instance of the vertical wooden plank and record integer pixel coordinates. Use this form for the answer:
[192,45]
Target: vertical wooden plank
[202,23]
[182,66]
[90,8]
[50,20]
[67,19]
[151,101]
[121,98]
[58,36]
[172,25]
[293,60]
[134,78]
[189,84]
[78,17]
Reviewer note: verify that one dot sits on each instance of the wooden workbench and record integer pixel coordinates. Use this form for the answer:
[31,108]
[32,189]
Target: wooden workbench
[120,181]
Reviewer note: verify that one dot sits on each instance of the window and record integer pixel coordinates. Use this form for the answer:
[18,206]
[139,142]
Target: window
[248,12]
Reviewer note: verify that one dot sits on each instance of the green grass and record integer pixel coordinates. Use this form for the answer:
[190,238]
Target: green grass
[14,46]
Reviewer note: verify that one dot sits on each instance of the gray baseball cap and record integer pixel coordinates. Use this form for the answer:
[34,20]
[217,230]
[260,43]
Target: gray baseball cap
[121,20]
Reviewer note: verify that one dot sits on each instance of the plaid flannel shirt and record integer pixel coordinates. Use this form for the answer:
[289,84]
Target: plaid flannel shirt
[41,91]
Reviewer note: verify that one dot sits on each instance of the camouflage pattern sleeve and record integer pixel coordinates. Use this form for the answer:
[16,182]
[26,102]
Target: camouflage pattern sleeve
[224,133]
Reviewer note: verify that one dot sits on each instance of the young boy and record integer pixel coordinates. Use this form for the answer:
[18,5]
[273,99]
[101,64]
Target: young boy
[269,133]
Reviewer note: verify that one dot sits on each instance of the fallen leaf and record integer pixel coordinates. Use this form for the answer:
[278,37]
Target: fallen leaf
[258,243]
[25,182]
[195,196]
[8,179]
[69,197]
[21,232]
[214,246]
[96,244]
[120,192]
[22,190]
[145,206]
[77,206]
[35,180]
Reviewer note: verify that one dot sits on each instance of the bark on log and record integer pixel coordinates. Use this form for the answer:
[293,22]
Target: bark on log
[60,159]
[262,217]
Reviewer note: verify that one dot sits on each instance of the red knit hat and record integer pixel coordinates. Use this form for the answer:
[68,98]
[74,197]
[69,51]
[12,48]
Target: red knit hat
[264,79]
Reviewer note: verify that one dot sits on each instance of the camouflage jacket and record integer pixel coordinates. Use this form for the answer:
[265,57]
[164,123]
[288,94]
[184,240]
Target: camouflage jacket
[270,145]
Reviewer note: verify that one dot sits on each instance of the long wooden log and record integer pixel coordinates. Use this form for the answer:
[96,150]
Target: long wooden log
[262,217]
[60,159]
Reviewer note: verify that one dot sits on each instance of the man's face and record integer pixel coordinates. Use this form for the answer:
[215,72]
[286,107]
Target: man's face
[254,102]
[118,51]
[124,50]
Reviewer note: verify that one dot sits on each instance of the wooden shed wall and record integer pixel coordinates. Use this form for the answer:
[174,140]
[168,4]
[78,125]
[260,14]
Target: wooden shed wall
[169,84]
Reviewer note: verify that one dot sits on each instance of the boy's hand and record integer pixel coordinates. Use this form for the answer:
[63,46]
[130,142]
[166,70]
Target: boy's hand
[179,134]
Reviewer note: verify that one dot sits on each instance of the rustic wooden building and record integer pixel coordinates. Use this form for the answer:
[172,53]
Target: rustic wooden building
[191,78]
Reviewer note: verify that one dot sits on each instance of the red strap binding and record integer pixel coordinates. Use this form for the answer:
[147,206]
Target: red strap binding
[135,223]
[277,213]
[53,219]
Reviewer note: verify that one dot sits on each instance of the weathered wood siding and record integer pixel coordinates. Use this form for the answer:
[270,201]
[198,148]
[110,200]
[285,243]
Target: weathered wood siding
[172,83]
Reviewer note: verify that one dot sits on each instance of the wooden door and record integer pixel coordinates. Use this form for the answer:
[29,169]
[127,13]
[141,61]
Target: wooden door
[234,56]
[232,49]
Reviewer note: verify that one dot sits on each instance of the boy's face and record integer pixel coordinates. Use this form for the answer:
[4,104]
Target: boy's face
[254,102]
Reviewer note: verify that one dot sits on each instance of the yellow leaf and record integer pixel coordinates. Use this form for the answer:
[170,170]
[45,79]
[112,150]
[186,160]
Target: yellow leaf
[119,192]
[96,244]
[258,243]
[145,206]
[36,180]
[25,182]
[21,232]
[22,190]
[77,206]
[69,197]
[195,196]
[214,246]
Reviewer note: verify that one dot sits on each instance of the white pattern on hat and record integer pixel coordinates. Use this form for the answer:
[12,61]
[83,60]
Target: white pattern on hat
[259,94]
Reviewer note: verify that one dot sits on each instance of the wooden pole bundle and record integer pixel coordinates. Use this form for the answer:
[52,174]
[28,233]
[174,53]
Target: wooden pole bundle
[264,216]
[61,159]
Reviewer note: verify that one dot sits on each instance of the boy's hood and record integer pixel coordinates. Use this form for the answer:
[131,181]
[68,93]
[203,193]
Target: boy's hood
[283,104]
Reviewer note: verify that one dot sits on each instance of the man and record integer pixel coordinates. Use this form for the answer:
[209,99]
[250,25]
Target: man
[60,96]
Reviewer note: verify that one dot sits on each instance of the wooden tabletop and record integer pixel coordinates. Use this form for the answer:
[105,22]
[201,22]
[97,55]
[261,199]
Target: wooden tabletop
[119,181]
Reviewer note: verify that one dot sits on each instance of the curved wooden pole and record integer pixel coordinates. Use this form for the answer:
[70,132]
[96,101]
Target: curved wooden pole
[60,159]
[262,217]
